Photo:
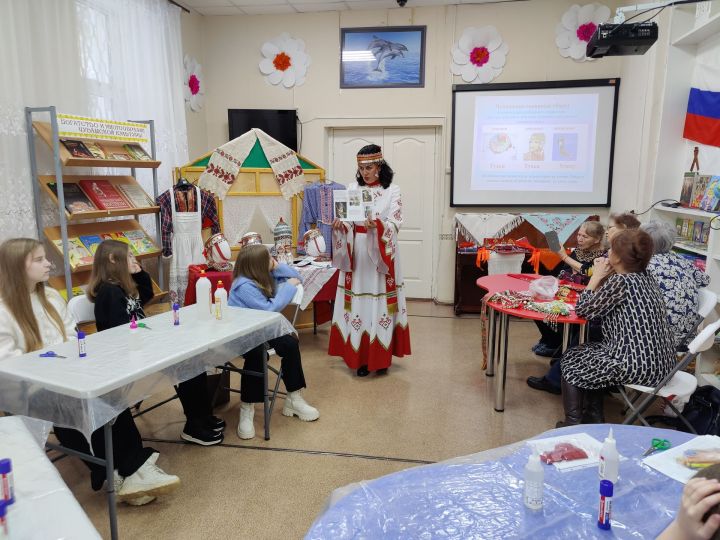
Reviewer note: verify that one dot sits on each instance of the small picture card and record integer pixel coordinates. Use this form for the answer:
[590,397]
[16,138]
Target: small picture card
[349,205]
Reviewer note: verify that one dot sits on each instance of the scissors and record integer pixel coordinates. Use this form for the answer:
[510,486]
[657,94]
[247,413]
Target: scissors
[143,325]
[657,445]
[51,354]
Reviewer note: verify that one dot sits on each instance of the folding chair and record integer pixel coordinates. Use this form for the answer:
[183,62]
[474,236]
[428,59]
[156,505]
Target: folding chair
[270,395]
[677,382]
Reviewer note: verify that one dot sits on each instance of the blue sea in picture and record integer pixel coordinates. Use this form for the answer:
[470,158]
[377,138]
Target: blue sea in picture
[399,70]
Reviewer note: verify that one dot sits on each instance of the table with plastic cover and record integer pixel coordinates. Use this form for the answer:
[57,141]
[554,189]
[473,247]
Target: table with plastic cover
[480,496]
[123,367]
[44,507]
[498,326]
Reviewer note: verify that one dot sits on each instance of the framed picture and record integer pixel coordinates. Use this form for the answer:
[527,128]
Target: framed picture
[382,57]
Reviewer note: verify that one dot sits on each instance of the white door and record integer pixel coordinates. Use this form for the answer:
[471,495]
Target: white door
[411,154]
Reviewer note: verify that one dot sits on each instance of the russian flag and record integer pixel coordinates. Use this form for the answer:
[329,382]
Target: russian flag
[702,123]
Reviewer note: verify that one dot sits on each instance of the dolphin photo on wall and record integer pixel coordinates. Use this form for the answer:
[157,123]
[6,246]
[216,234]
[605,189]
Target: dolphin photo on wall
[382,57]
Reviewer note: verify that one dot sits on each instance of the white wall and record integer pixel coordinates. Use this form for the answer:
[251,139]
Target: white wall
[230,51]
[193,33]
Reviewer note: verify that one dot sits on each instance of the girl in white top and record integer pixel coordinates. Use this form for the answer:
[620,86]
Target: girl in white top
[33,317]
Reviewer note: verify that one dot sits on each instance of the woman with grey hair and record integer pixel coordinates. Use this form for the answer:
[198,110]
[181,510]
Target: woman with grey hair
[679,281]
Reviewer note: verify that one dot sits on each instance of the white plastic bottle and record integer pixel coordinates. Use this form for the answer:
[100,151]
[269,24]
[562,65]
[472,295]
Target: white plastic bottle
[534,478]
[221,299]
[609,460]
[203,297]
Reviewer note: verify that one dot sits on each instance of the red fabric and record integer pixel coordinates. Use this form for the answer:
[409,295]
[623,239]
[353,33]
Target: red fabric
[377,356]
[324,301]
[212,275]
[702,129]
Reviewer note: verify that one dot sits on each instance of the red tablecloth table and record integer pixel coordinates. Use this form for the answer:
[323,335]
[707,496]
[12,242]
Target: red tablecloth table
[498,330]
[323,301]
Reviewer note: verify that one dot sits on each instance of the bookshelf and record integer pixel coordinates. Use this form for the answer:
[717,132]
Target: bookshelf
[76,224]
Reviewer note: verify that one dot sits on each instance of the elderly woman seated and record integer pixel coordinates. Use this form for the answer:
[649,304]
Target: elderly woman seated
[679,282]
[637,346]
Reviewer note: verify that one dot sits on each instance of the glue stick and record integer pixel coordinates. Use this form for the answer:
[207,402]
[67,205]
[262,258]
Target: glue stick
[7,486]
[606,495]
[82,351]
[176,314]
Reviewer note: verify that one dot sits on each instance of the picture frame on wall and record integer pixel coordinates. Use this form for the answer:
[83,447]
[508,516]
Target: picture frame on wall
[382,57]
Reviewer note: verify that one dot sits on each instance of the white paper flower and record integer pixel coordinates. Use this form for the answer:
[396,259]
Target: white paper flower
[479,55]
[194,88]
[576,27]
[285,61]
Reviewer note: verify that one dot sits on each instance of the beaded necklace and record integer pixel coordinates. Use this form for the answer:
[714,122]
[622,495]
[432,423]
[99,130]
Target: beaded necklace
[523,300]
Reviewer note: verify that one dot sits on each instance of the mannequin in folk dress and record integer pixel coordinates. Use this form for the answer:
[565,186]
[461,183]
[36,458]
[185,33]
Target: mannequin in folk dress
[370,319]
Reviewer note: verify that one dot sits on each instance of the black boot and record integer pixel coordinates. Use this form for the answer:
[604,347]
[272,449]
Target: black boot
[572,397]
[593,412]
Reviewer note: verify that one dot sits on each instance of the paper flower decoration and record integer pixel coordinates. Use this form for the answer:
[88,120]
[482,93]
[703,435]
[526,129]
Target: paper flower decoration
[284,61]
[576,27]
[479,55]
[194,89]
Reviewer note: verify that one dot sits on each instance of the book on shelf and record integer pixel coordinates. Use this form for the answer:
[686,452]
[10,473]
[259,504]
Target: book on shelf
[77,254]
[91,242]
[120,237]
[697,232]
[687,188]
[679,226]
[139,242]
[135,195]
[121,155]
[75,199]
[136,152]
[95,149]
[711,199]
[699,189]
[77,148]
[77,291]
[684,230]
[104,195]
[705,234]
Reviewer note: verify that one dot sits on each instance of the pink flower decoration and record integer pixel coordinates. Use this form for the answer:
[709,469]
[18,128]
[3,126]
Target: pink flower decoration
[585,31]
[194,84]
[479,56]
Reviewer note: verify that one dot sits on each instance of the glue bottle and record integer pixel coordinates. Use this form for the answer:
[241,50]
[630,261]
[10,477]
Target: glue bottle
[534,478]
[203,296]
[7,485]
[605,510]
[221,298]
[176,314]
[82,351]
[609,460]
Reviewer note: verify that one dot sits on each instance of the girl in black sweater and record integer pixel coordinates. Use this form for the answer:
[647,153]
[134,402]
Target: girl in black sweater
[120,288]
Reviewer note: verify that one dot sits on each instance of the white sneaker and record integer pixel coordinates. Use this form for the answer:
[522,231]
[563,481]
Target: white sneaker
[295,405]
[246,428]
[148,480]
[143,499]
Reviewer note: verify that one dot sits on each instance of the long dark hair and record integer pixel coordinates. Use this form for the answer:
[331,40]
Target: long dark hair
[386,173]
[110,265]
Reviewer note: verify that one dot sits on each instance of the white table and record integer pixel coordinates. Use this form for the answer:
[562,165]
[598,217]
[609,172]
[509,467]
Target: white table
[122,368]
[44,507]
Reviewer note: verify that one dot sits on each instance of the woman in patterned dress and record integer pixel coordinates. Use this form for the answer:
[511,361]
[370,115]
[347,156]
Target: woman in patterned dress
[370,319]
[637,345]
[679,282]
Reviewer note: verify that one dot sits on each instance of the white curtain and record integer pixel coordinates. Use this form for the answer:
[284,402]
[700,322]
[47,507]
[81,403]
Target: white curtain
[114,59]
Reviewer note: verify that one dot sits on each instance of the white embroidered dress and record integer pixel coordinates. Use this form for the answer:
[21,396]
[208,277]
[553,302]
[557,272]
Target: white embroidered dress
[370,319]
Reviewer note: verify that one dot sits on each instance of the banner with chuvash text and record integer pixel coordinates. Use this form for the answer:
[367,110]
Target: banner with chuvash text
[81,127]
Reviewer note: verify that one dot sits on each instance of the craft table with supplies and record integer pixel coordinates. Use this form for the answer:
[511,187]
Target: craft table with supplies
[498,325]
[481,496]
[44,507]
[122,368]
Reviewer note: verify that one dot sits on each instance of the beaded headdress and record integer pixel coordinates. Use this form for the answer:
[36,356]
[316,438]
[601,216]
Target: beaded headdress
[364,159]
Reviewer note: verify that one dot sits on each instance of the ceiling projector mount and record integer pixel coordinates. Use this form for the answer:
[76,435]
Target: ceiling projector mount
[623,38]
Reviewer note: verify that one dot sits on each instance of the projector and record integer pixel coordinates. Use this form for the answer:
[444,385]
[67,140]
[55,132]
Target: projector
[622,39]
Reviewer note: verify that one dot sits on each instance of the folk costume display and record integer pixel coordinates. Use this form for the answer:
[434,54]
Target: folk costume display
[182,217]
[318,210]
[370,323]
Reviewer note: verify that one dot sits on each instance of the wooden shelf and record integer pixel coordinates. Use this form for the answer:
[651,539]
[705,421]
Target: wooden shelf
[44,131]
[115,180]
[82,279]
[700,33]
[696,212]
[97,227]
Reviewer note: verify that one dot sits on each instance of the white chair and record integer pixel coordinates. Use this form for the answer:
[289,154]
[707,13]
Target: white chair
[676,383]
[270,394]
[82,309]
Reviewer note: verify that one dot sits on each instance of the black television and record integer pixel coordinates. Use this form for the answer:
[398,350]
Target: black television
[279,124]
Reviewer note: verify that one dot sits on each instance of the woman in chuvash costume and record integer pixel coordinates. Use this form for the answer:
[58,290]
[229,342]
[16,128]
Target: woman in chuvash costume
[370,319]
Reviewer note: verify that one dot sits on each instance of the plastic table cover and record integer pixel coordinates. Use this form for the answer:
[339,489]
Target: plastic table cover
[480,496]
[122,368]
[44,507]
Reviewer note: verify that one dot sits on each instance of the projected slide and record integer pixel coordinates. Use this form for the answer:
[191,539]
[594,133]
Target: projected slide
[534,142]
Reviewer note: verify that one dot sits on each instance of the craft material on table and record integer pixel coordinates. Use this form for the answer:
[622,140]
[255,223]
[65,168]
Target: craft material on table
[657,445]
[51,354]
[668,462]
[582,441]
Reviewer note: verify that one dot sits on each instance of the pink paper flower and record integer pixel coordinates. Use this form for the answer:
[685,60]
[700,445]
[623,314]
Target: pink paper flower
[193,89]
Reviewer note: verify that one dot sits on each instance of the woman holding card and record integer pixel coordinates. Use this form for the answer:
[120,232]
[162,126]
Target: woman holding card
[370,320]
